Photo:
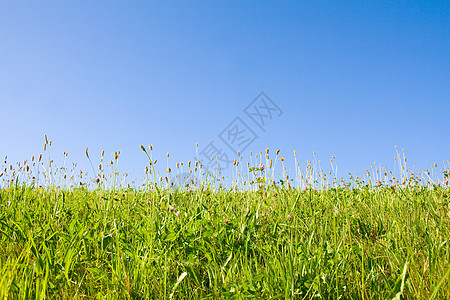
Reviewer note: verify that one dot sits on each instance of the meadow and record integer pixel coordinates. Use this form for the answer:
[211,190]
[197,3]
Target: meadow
[265,237]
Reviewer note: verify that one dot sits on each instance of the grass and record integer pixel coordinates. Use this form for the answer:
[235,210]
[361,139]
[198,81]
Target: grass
[271,241]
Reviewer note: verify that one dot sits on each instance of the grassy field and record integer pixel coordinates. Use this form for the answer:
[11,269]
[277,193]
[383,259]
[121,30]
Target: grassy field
[272,241]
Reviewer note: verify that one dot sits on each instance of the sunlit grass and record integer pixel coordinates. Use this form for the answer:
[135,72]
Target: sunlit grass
[362,240]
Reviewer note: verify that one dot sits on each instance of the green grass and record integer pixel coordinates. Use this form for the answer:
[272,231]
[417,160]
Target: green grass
[65,236]
[360,243]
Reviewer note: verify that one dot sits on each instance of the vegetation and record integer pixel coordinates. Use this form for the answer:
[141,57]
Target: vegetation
[387,240]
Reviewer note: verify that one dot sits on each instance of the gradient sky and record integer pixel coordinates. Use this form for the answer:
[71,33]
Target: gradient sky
[352,78]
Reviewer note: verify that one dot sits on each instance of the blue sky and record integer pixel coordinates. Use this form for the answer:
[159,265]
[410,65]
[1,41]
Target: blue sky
[352,78]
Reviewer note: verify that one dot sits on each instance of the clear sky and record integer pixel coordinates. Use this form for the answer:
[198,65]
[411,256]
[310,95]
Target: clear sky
[350,78]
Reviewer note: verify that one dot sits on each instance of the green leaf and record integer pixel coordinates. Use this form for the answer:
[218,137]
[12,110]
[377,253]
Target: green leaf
[170,237]
[400,284]
[441,281]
